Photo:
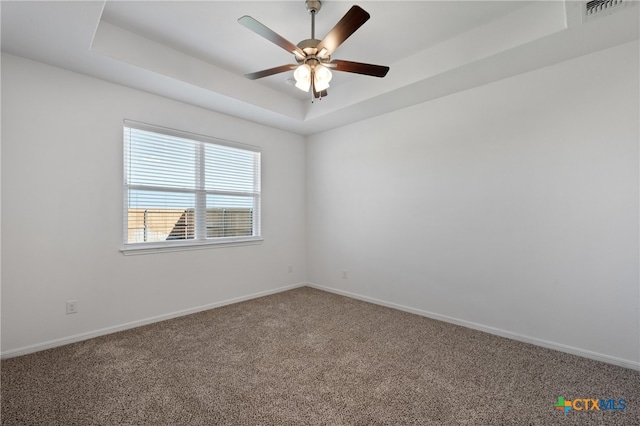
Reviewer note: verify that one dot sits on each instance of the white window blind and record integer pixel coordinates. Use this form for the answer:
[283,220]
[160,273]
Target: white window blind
[183,189]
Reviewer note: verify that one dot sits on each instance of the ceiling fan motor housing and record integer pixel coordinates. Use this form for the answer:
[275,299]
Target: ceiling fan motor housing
[309,46]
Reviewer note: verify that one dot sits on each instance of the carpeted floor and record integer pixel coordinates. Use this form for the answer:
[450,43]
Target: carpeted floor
[307,357]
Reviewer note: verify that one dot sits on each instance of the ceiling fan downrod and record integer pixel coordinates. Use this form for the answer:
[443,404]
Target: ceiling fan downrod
[313,56]
[313,6]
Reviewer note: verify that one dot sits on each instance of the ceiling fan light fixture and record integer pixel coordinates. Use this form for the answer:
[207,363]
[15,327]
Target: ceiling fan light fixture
[322,77]
[302,75]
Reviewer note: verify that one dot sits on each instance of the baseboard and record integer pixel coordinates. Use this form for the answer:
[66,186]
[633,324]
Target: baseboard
[108,330]
[487,329]
[633,365]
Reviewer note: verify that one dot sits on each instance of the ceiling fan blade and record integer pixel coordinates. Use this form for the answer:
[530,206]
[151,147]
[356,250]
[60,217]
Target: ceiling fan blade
[270,71]
[359,68]
[272,36]
[350,22]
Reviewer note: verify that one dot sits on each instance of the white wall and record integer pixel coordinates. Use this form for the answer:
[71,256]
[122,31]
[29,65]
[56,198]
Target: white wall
[62,211]
[512,207]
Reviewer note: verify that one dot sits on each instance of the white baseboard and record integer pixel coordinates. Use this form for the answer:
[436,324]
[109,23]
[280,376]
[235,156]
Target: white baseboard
[108,330]
[633,365]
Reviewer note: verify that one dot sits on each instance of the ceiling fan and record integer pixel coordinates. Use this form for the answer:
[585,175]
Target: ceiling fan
[313,56]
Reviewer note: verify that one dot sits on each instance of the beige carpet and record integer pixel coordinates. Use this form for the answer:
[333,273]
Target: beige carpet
[307,357]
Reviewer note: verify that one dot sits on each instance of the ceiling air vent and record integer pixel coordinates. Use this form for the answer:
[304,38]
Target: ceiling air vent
[595,8]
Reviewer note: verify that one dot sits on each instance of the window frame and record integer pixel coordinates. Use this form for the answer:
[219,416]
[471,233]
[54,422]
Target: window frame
[200,240]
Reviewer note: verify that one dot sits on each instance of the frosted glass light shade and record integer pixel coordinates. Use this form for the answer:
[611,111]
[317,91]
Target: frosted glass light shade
[302,75]
[322,77]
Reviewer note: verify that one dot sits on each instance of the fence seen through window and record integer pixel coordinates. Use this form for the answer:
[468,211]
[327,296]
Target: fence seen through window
[151,225]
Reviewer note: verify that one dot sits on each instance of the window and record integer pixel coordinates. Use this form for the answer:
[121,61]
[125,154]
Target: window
[188,190]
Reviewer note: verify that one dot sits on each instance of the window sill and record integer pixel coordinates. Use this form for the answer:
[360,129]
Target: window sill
[162,247]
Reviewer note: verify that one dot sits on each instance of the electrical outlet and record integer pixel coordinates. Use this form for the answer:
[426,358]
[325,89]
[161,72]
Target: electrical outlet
[72,307]
[345,276]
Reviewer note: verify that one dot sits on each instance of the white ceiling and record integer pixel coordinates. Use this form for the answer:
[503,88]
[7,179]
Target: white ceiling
[197,52]
[209,30]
